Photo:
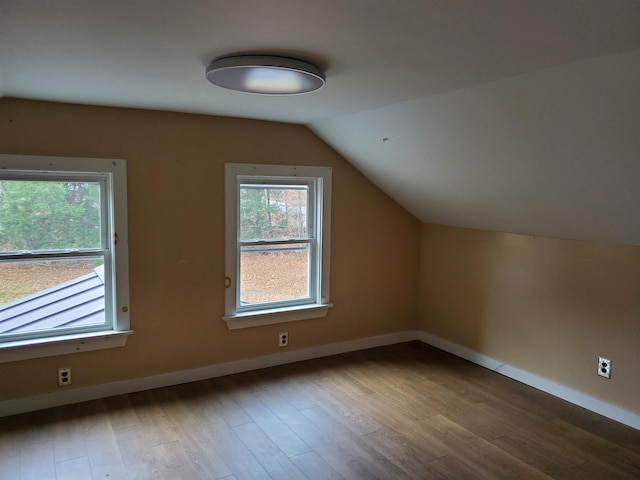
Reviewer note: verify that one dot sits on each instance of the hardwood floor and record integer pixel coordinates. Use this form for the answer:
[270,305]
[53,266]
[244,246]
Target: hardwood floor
[403,411]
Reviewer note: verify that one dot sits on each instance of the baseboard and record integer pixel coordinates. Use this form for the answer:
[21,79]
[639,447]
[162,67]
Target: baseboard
[605,409]
[82,394]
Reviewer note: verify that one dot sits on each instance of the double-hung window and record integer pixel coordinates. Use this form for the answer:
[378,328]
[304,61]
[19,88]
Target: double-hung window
[63,255]
[277,243]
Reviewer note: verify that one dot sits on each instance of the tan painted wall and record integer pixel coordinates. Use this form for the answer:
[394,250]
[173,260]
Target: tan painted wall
[176,239]
[548,306]
[545,305]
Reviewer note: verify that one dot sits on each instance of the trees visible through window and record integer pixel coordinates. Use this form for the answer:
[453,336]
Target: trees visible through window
[49,215]
[275,243]
[58,248]
[38,216]
[277,238]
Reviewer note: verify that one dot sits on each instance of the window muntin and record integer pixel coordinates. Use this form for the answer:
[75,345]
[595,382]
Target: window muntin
[57,231]
[277,238]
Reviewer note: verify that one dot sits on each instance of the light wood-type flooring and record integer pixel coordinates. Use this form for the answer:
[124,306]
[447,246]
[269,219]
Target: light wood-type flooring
[405,411]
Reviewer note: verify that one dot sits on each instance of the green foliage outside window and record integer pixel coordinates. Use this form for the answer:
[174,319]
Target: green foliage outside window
[270,213]
[49,215]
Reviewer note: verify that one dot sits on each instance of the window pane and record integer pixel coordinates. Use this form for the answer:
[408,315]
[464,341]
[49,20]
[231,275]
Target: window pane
[44,295]
[44,215]
[274,273]
[269,212]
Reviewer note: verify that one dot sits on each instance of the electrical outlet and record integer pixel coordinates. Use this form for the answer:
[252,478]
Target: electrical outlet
[604,367]
[64,376]
[283,339]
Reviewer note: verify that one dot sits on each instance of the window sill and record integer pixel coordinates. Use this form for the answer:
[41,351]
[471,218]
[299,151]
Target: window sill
[276,315]
[47,347]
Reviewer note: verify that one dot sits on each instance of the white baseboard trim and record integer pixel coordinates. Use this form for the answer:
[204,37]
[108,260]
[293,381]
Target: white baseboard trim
[82,394]
[605,409]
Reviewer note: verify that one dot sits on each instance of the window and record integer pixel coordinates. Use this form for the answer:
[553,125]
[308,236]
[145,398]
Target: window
[63,255]
[277,243]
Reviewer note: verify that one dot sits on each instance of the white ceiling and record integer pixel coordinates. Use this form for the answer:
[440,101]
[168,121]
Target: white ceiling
[519,116]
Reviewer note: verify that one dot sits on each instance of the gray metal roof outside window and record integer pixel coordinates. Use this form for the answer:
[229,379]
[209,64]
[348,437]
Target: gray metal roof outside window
[74,303]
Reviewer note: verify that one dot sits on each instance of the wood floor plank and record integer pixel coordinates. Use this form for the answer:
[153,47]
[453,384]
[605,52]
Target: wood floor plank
[315,468]
[137,444]
[601,452]
[408,456]
[102,448]
[594,471]
[237,456]
[344,460]
[121,411]
[349,439]
[171,461]
[541,456]
[74,469]
[633,446]
[10,467]
[226,406]
[68,437]
[181,407]
[9,448]
[144,406]
[273,460]
[397,425]
[406,411]
[477,453]
[279,433]
[35,427]
[36,461]
[451,468]
[293,386]
[340,412]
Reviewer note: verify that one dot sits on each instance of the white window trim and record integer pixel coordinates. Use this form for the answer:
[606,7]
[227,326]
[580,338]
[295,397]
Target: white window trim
[281,314]
[108,338]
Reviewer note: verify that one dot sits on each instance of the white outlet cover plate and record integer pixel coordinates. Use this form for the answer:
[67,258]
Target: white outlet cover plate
[607,370]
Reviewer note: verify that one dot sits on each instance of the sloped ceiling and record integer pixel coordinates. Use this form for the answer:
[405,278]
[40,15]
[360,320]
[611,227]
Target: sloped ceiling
[519,116]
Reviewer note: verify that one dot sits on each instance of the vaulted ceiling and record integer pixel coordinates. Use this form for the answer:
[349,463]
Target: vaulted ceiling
[518,116]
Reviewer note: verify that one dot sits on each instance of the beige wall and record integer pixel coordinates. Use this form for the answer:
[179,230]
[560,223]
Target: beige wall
[176,239]
[547,306]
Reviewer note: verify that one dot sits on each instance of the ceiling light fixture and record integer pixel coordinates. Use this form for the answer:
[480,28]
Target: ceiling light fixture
[265,74]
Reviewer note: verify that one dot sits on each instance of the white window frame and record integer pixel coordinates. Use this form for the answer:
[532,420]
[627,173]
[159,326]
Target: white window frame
[114,333]
[319,239]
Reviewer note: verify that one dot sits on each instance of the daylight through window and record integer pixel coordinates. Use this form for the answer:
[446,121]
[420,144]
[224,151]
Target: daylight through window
[277,240]
[57,250]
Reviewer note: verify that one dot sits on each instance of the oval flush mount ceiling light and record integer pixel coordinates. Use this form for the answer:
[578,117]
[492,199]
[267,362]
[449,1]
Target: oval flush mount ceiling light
[265,74]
